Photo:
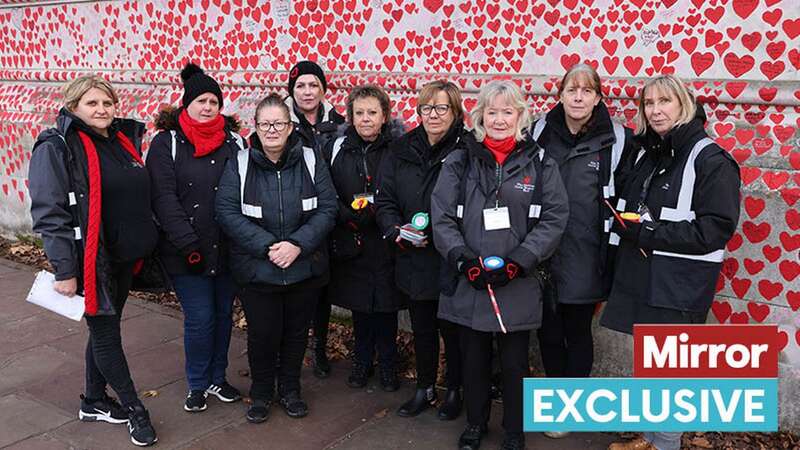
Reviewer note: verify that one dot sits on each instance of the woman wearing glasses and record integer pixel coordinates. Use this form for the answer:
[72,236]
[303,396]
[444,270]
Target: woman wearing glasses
[406,180]
[185,162]
[277,204]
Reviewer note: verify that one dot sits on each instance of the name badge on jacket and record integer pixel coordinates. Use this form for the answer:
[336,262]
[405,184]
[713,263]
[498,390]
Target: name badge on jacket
[496,218]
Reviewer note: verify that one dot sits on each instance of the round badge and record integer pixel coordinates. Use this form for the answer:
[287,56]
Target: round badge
[493,262]
[420,221]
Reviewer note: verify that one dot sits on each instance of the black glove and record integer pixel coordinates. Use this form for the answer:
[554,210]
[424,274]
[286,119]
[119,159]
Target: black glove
[474,273]
[195,261]
[364,217]
[501,277]
[630,232]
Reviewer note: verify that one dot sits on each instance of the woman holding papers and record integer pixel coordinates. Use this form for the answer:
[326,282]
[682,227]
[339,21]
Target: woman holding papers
[499,208]
[362,276]
[406,180]
[90,201]
[678,208]
[277,204]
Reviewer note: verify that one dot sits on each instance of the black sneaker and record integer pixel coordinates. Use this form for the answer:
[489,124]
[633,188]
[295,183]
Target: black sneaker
[470,439]
[139,426]
[294,405]
[195,401]
[258,411]
[106,409]
[224,392]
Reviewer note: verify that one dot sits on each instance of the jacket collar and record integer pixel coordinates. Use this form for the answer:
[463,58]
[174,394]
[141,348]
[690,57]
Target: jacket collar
[599,131]
[419,149]
[290,156]
[67,122]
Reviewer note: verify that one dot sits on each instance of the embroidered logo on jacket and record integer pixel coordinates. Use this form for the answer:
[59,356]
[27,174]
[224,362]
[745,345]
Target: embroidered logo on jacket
[525,185]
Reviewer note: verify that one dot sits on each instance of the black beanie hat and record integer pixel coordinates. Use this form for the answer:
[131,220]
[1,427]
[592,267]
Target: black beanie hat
[197,83]
[306,68]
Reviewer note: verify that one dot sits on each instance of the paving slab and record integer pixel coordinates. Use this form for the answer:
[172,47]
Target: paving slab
[22,417]
[32,331]
[34,366]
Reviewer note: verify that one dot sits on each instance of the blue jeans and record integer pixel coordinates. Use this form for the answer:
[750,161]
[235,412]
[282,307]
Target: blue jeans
[207,304]
[664,441]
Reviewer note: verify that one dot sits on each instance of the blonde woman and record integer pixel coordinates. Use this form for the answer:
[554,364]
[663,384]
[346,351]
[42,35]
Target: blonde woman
[90,201]
[497,196]
[684,189]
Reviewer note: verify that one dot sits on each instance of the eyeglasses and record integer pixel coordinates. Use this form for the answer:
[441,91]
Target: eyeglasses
[440,109]
[278,126]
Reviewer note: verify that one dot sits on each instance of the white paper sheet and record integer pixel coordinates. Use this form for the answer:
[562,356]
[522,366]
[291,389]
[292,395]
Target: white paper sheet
[43,294]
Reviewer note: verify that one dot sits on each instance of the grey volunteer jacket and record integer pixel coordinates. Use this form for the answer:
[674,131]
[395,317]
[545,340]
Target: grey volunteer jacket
[528,241]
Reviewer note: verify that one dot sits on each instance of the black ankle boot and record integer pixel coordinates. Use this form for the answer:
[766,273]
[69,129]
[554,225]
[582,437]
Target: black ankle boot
[451,407]
[322,367]
[470,439]
[423,399]
[513,441]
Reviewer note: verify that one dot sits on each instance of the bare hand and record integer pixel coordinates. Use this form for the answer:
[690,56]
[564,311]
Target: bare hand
[283,254]
[421,244]
[66,287]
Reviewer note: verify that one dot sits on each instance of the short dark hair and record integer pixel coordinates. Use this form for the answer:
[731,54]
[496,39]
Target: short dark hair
[369,90]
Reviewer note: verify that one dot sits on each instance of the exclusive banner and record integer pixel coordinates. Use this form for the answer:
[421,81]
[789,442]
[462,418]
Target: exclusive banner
[686,378]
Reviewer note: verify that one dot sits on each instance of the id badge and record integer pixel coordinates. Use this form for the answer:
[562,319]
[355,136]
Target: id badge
[370,196]
[496,219]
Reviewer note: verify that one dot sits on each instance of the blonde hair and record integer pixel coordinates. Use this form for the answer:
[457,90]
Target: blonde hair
[513,94]
[74,90]
[430,90]
[669,84]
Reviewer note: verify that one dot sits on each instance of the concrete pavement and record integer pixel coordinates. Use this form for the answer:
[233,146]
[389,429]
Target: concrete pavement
[41,377]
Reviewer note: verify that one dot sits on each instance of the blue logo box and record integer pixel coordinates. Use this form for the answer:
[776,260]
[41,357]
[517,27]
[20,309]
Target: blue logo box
[638,404]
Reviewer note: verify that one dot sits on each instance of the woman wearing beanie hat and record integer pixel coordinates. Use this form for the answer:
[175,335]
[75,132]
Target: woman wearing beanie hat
[185,161]
[316,123]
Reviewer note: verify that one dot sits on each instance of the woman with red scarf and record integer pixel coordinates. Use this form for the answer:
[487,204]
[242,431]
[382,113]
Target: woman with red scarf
[185,162]
[90,202]
[498,209]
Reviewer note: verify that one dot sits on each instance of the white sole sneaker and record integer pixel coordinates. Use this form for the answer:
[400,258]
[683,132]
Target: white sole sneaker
[99,417]
[216,392]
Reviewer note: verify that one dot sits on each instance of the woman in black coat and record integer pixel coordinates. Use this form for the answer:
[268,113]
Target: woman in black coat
[406,180]
[185,161]
[682,191]
[362,273]
[90,202]
[316,122]
[580,136]
[277,204]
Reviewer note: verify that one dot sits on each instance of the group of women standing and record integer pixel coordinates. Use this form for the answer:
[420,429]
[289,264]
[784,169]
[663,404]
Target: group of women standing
[483,234]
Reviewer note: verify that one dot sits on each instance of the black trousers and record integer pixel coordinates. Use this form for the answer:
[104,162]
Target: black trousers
[277,324]
[105,360]
[565,340]
[426,328]
[375,331]
[476,351]
[322,317]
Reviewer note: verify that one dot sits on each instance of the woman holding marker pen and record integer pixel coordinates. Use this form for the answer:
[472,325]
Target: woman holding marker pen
[680,206]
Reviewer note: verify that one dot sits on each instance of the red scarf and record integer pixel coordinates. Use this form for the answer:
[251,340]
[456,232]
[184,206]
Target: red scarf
[500,149]
[95,214]
[206,137]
